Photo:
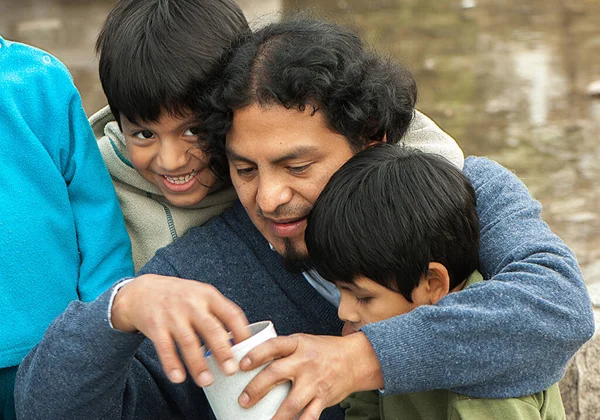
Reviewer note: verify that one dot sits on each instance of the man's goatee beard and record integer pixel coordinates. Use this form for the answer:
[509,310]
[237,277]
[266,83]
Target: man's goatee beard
[293,259]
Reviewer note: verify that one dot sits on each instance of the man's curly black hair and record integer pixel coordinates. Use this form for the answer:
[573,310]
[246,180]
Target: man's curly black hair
[302,63]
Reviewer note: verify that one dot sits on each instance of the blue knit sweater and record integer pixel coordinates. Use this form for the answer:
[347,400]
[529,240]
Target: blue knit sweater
[508,336]
[62,235]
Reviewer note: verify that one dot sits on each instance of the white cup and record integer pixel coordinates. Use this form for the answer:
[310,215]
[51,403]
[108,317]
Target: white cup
[223,393]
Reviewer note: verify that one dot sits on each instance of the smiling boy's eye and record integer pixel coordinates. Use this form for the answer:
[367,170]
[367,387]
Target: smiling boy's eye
[192,131]
[144,134]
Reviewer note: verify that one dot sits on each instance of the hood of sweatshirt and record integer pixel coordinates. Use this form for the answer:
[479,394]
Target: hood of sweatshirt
[116,157]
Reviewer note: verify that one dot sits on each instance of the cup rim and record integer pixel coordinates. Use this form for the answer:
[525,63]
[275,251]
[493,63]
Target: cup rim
[257,329]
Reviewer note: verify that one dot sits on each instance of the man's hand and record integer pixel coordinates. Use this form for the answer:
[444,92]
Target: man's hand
[172,311]
[323,369]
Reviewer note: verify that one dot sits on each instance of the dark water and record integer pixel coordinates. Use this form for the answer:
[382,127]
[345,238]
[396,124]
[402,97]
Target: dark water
[507,79]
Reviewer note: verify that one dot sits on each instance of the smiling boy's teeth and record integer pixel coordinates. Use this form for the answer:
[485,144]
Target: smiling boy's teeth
[180,179]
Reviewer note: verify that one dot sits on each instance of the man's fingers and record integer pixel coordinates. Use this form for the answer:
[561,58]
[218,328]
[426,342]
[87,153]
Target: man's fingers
[273,348]
[190,348]
[271,376]
[313,365]
[313,410]
[217,341]
[232,316]
[171,364]
[275,373]
[182,312]
[298,400]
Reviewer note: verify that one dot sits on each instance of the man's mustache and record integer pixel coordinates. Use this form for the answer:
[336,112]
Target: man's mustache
[285,212]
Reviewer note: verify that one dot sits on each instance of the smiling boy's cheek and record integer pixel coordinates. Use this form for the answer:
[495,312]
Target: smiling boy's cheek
[196,151]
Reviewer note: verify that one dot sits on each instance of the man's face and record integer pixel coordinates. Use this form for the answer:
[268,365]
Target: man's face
[280,160]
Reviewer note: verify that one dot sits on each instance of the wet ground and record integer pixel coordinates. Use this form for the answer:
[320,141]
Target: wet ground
[508,79]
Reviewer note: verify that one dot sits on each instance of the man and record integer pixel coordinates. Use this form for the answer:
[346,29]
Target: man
[296,101]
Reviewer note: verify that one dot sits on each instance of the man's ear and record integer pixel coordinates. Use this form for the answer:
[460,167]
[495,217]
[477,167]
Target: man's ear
[374,142]
[437,282]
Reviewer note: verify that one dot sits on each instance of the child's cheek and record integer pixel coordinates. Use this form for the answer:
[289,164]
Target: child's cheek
[347,329]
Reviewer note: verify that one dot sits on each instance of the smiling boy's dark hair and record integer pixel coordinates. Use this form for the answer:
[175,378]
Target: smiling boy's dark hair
[390,211]
[152,53]
[303,63]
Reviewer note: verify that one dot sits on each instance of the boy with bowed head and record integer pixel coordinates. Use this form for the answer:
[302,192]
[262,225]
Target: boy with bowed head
[395,230]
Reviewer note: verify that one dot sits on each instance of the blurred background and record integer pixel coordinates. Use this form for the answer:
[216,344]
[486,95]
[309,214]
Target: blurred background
[515,80]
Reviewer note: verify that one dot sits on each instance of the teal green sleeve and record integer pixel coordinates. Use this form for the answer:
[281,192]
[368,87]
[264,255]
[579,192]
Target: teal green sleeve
[362,406]
[545,405]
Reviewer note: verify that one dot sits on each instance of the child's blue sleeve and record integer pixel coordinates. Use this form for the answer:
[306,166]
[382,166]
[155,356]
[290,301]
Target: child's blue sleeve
[509,336]
[104,245]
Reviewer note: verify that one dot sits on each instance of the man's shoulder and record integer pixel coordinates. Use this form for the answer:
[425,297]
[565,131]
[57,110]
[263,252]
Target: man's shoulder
[222,234]
[224,252]
[479,164]
[481,170]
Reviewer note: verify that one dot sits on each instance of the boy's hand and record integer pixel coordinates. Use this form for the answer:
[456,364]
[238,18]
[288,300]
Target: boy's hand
[323,369]
[170,311]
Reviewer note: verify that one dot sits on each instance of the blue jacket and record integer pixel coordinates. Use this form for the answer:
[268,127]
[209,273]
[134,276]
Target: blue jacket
[62,235]
[508,336]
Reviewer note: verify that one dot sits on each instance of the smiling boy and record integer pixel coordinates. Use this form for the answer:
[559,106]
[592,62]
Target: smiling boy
[396,230]
[148,134]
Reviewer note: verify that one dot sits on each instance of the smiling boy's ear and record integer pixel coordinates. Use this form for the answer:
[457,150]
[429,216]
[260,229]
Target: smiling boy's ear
[437,282]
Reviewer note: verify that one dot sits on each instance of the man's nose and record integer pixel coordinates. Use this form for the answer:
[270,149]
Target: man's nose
[272,193]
